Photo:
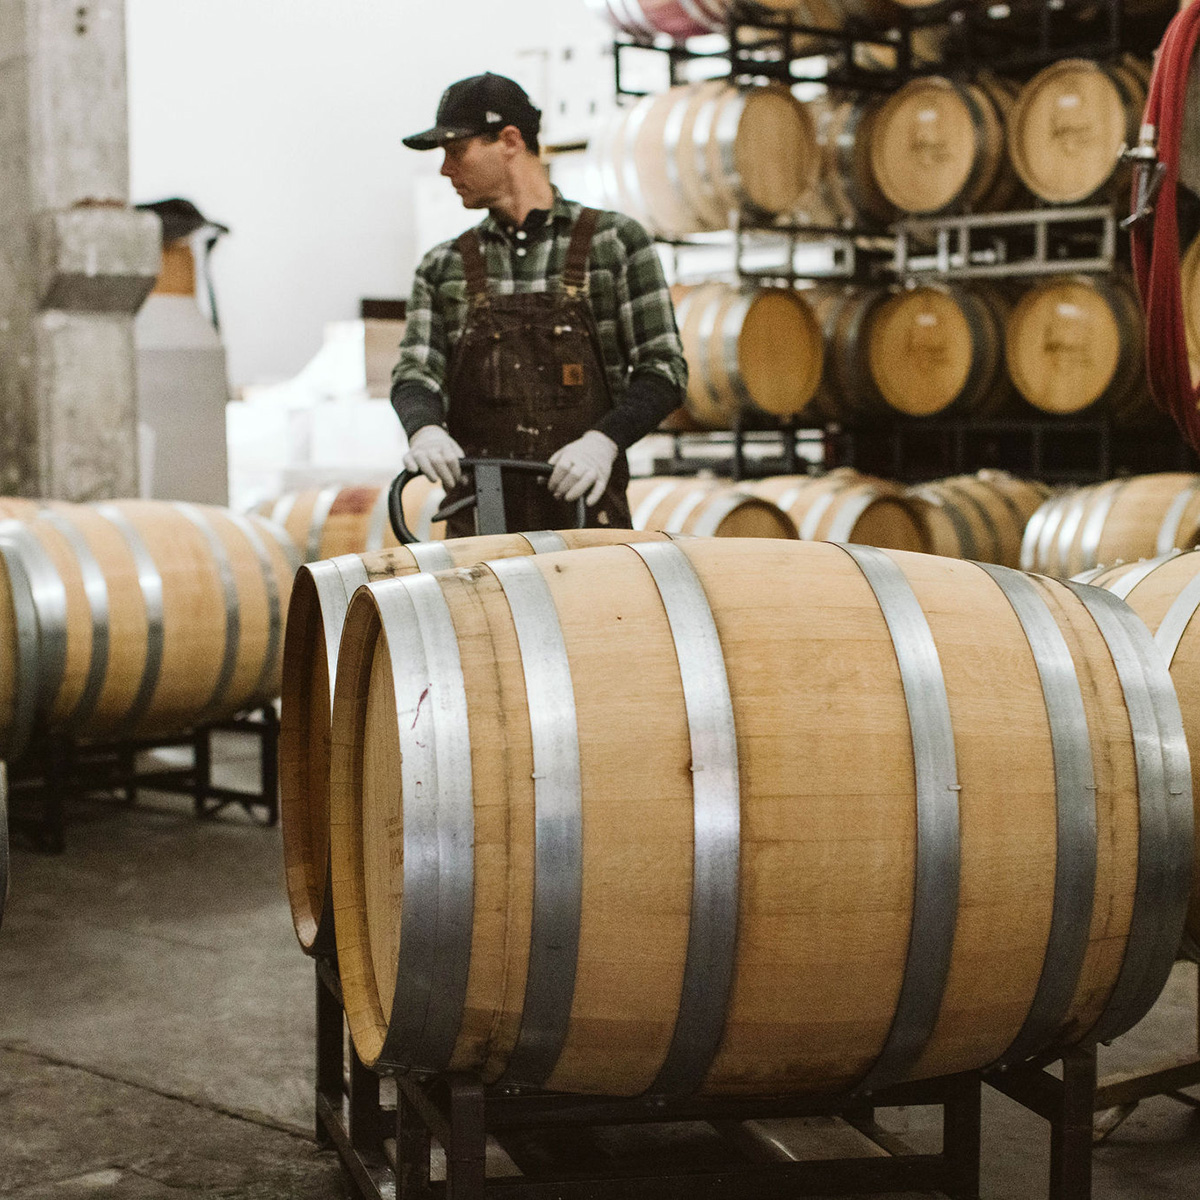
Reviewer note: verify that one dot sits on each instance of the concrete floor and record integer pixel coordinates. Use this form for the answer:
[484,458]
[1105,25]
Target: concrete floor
[156,1030]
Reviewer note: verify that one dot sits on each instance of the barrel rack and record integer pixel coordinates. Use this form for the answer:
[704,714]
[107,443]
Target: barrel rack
[55,769]
[385,1148]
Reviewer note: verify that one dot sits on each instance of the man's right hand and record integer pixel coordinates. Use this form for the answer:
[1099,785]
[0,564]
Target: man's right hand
[433,452]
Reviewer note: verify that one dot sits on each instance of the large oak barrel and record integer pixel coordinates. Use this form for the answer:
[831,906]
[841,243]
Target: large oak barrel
[1164,591]
[1118,521]
[937,145]
[339,519]
[981,517]
[939,348]
[1189,282]
[749,817]
[705,508]
[1075,342]
[678,19]
[846,506]
[748,349]
[140,618]
[1069,125]
[320,596]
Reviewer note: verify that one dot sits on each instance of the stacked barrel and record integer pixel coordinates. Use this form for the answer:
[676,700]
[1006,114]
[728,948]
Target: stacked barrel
[709,155]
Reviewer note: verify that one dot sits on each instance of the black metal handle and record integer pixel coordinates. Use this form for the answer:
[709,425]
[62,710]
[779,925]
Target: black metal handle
[487,475]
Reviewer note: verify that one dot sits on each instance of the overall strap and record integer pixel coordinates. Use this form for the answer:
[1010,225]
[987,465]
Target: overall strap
[474,271]
[575,270]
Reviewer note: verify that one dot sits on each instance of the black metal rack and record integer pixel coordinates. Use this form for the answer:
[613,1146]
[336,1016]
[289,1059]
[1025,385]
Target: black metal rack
[56,769]
[386,1148]
[551,1138]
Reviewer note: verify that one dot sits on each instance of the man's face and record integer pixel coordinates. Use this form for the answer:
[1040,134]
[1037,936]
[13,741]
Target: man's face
[477,167]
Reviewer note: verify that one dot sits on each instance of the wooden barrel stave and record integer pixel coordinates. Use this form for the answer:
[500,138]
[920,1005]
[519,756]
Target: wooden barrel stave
[809,1000]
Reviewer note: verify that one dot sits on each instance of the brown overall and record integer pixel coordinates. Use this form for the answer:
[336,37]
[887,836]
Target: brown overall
[526,378]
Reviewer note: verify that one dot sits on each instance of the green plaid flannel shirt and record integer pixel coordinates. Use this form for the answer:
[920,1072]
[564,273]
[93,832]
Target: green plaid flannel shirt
[626,289]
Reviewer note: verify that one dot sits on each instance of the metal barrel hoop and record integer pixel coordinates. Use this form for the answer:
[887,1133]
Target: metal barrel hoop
[938,856]
[558,824]
[1165,813]
[1075,812]
[712,932]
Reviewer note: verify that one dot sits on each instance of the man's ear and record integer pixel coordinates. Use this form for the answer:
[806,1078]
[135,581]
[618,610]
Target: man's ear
[511,137]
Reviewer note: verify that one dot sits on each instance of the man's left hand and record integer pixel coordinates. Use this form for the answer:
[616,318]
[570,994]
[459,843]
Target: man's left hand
[583,465]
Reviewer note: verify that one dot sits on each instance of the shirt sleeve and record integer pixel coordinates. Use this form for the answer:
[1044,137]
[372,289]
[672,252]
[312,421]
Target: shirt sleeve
[423,351]
[650,340]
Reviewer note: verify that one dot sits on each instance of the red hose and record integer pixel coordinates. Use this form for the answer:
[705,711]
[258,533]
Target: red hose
[1155,243]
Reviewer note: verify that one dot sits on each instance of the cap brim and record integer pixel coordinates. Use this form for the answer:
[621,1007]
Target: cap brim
[438,136]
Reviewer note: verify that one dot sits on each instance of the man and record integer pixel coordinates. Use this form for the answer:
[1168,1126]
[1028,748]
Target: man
[546,333]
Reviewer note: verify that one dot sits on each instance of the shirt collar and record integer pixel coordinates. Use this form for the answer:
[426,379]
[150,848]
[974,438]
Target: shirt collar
[560,210]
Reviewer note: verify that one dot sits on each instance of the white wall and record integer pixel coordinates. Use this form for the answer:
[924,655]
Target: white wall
[282,119]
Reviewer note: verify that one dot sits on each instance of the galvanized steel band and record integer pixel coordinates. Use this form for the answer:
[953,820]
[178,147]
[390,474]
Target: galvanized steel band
[1131,578]
[95,588]
[985,519]
[652,499]
[26,662]
[316,523]
[431,556]
[959,523]
[274,606]
[151,584]
[817,510]
[1075,809]
[545,541]
[712,933]
[233,620]
[848,514]
[558,837]
[1093,528]
[1165,813]
[715,511]
[1074,511]
[417,962]
[1174,624]
[1031,538]
[936,885]
[684,509]
[446,701]
[1168,531]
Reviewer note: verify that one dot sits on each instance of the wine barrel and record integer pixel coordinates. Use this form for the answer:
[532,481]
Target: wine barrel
[319,598]
[1076,342]
[756,150]
[981,517]
[748,349]
[705,508]
[678,19]
[939,348]
[833,854]
[1164,592]
[937,145]
[1121,520]
[1068,128]
[1189,282]
[845,506]
[142,618]
[326,522]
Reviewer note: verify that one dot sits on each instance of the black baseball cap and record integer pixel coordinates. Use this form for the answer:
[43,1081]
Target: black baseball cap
[480,104]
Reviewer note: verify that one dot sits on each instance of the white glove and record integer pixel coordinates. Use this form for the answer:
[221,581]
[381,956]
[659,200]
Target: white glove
[433,452]
[583,464]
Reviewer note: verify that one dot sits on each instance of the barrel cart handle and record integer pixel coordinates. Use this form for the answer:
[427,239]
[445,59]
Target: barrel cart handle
[488,497]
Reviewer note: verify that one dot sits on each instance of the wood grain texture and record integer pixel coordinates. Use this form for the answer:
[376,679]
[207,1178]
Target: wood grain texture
[828,825]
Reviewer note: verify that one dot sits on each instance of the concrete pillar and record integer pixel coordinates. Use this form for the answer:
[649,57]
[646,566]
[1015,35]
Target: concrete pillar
[76,261]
